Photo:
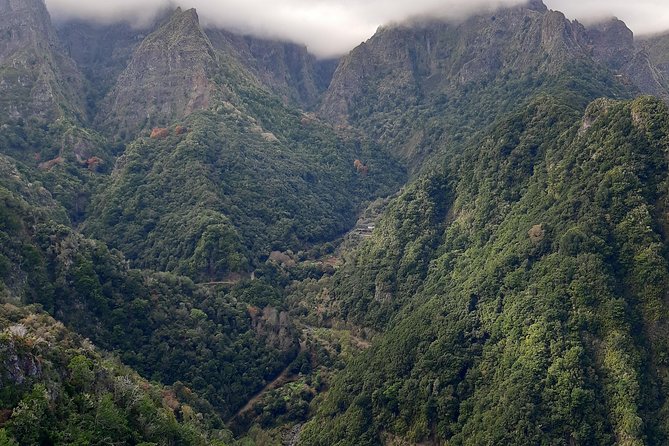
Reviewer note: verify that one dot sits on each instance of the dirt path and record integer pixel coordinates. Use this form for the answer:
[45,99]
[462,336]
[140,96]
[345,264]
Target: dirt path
[284,378]
[217,283]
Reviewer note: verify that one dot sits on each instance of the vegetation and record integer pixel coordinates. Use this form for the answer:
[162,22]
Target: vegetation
[215,200]
[58,389]
[541,316]
[514,291]
[161,324]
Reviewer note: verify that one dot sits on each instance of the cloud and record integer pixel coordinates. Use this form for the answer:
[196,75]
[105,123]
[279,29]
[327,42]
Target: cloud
[332,27]
[641,16]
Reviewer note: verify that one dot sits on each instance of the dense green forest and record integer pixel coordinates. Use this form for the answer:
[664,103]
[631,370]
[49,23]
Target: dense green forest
[461,240]
[541,314]
[64,391]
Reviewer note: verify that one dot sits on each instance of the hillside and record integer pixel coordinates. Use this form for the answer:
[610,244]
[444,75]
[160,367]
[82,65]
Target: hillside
[539,316]
[58,388]
[36,79]
[235,178]
[453,235]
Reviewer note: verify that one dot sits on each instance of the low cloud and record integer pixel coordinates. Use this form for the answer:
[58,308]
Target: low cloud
[641,16]
[333,27]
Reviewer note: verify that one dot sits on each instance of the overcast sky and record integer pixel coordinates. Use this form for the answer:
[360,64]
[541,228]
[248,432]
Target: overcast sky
[332,27]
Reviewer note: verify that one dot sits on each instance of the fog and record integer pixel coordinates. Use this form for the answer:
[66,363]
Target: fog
[333,27]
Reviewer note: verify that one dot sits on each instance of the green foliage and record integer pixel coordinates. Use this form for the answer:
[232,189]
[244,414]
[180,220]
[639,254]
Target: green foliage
[515,338]
[68,393]
[229,192]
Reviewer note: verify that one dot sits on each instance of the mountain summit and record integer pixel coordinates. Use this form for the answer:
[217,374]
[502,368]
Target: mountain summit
[169,76]
[36,78]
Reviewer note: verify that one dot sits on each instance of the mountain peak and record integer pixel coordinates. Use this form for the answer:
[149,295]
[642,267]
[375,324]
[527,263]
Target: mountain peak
[48,83]
[167,78]
[536,5]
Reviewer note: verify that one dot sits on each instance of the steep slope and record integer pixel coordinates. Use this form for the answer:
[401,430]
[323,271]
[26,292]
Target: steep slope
[287,69]
[162,325]
[42,111]
[422,88]
[170,75]
[234,188]
[613,45]
[102,53]
[58,388]
[225,185]
[657,48]
[542,316]
[36,78]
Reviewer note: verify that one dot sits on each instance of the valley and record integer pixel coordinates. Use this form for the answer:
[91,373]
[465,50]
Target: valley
[454,234]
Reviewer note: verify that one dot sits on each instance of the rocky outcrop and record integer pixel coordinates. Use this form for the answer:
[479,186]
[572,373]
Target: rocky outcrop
[612,44]
[36,78]
[403,63]
[169,77]
[286,69]
[16,365]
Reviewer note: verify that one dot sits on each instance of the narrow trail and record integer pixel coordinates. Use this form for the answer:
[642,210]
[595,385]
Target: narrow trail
[217,283]
[284,378]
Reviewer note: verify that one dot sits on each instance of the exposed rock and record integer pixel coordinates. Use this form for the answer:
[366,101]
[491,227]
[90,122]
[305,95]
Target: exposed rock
[409,66]
[101,52]
[36,78]
[16,366]
[169,77]
[286,69]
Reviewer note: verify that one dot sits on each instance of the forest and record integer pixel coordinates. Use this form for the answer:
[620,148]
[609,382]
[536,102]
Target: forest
[455,234]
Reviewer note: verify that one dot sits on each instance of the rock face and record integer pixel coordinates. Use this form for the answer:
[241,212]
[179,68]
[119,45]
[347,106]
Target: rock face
[612,44]
[286,69]
[169,77]
[101,52]
[438,70]
[657,48]
[402,64]
[36,78]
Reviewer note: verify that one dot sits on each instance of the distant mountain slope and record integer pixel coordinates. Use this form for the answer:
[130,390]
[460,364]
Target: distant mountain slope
[235,174]
[657,48]
[36,79]
[423,87]
[170,75]
[613,44]
[287,69]
[102,53]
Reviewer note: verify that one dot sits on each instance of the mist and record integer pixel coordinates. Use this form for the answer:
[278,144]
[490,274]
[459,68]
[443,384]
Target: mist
[333,27]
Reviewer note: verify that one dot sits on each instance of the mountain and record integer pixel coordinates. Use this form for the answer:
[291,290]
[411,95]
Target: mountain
[235,175]
[36,78]
[421,87]
[456,235]
[458,76]
[657,48]
[613,44]
[287,69]
[169,77]
[530,310]
[101,52]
